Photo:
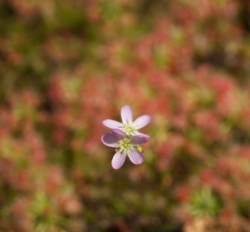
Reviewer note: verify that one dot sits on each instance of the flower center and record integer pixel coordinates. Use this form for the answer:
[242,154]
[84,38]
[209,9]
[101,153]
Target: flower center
[128,129]
[125,144]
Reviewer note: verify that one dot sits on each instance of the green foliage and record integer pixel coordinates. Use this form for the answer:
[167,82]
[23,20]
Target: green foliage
[204,203]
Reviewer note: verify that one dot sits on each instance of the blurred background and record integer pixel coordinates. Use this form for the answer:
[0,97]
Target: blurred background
[65,66]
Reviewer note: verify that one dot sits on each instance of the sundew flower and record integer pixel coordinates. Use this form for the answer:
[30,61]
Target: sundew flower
[125,146]
[129,126]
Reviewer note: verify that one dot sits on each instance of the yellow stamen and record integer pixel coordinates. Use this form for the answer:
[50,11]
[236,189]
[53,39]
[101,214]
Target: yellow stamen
[129,129]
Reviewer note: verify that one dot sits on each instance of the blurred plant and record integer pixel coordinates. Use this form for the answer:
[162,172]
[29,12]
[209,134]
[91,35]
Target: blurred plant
[204,203]
[65,65]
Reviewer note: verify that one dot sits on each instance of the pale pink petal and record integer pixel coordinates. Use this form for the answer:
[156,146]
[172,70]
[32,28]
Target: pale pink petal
[112,124]
[127,114]
[142,121]
[141,134]
[118,160]
[110,140]
[135,156]
[137,140]
[119,133]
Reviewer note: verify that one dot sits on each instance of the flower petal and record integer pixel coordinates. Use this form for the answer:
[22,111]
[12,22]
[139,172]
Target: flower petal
[127,114]
[137,140]
[119,133]
[118,160]
[142,121]
[110,140]
[135,156]
[137,133]
[112,124]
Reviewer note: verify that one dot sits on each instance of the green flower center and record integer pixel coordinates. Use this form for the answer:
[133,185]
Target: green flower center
[128,129]
[125,144]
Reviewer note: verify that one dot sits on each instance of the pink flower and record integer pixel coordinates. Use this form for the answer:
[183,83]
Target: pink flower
[125,146]
[129,126]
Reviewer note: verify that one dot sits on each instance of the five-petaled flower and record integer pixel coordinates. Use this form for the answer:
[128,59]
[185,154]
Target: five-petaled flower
[125,146]
[129,126]
[125,137]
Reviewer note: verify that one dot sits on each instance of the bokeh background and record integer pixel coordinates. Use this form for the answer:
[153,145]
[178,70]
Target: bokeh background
[67,65]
